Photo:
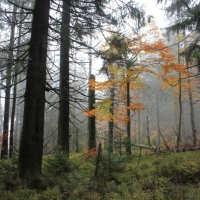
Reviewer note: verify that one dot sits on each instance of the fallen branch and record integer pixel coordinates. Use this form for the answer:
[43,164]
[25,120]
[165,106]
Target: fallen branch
[142,146]
[173,149]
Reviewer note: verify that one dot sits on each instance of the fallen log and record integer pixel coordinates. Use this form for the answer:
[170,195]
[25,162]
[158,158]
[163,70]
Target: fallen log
[174,149]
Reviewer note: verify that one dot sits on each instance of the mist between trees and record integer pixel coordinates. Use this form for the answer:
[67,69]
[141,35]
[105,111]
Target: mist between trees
[78,73]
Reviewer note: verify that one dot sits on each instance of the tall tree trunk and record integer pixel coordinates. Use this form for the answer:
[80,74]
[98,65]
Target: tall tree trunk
[194,139]
[63,121]
[128,144]
[91,120]
[12,122]
[158,120]
[90,55]
[139,135]
[148,133]
[31,143]
[180,114]
[111,123]
[183,127]
[135,130]
[4,148]
[75,129]
[178,141]
[179,91]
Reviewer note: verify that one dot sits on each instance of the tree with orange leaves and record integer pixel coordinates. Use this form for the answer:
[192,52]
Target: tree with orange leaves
[128,58]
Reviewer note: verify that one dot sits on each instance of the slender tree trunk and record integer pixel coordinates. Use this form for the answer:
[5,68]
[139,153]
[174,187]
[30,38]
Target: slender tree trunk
[16,136]
[11,149]
[75,129]
[111,123]
[77,141]
[91,120]
[158,121]
[180,103]
[139,135]
[63,121]
[183,127]
[194,139]
[15,90]
[148,134]
[31,143]
[4,148]
[128,145]
[180,114]
[90,57]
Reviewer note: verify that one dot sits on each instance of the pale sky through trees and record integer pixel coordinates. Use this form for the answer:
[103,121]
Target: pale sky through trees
[155,10]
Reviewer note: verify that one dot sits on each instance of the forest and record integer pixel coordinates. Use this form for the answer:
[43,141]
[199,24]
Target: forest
[97,101]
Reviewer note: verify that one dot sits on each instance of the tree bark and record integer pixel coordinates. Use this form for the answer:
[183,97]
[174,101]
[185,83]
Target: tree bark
[128,143]
[158,121]
[31,143]
[148,134]
[63,121]
[77,141]
[91,120]
[139,135]
[178,141]
[111,123]
[194,139]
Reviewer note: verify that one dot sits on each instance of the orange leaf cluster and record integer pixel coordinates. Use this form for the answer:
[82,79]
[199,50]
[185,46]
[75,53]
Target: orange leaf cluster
[89,153]
[90,113]
[120,114]
[136,107]
[101,86]
[153,47]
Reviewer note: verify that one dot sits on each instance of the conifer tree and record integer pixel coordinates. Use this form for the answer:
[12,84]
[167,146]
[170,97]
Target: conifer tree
[63,121]
[31,143]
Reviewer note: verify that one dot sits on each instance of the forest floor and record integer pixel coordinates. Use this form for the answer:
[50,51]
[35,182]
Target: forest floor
[141,176]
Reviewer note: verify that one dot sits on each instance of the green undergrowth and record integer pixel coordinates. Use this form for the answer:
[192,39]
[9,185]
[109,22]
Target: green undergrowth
[169,176]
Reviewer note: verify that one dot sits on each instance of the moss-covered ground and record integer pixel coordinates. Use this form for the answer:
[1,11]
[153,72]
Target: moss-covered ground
[167,176]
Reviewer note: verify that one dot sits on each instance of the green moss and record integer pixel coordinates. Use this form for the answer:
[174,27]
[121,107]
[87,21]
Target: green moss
[166,176]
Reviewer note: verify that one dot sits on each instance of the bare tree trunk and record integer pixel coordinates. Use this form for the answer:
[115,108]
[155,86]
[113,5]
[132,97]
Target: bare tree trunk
[183,127]
[4,148]
[180,103]
[158,121]
[128,142]
[31,143]
[139,135]
[12,122]
[77,141]
[194,139]
[111,123]
[148,134]
[63,121]
[91,120]
[75,129]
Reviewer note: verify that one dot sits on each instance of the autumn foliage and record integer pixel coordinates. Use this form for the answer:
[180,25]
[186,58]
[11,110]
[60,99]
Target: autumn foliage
[89,153]
[128,59]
